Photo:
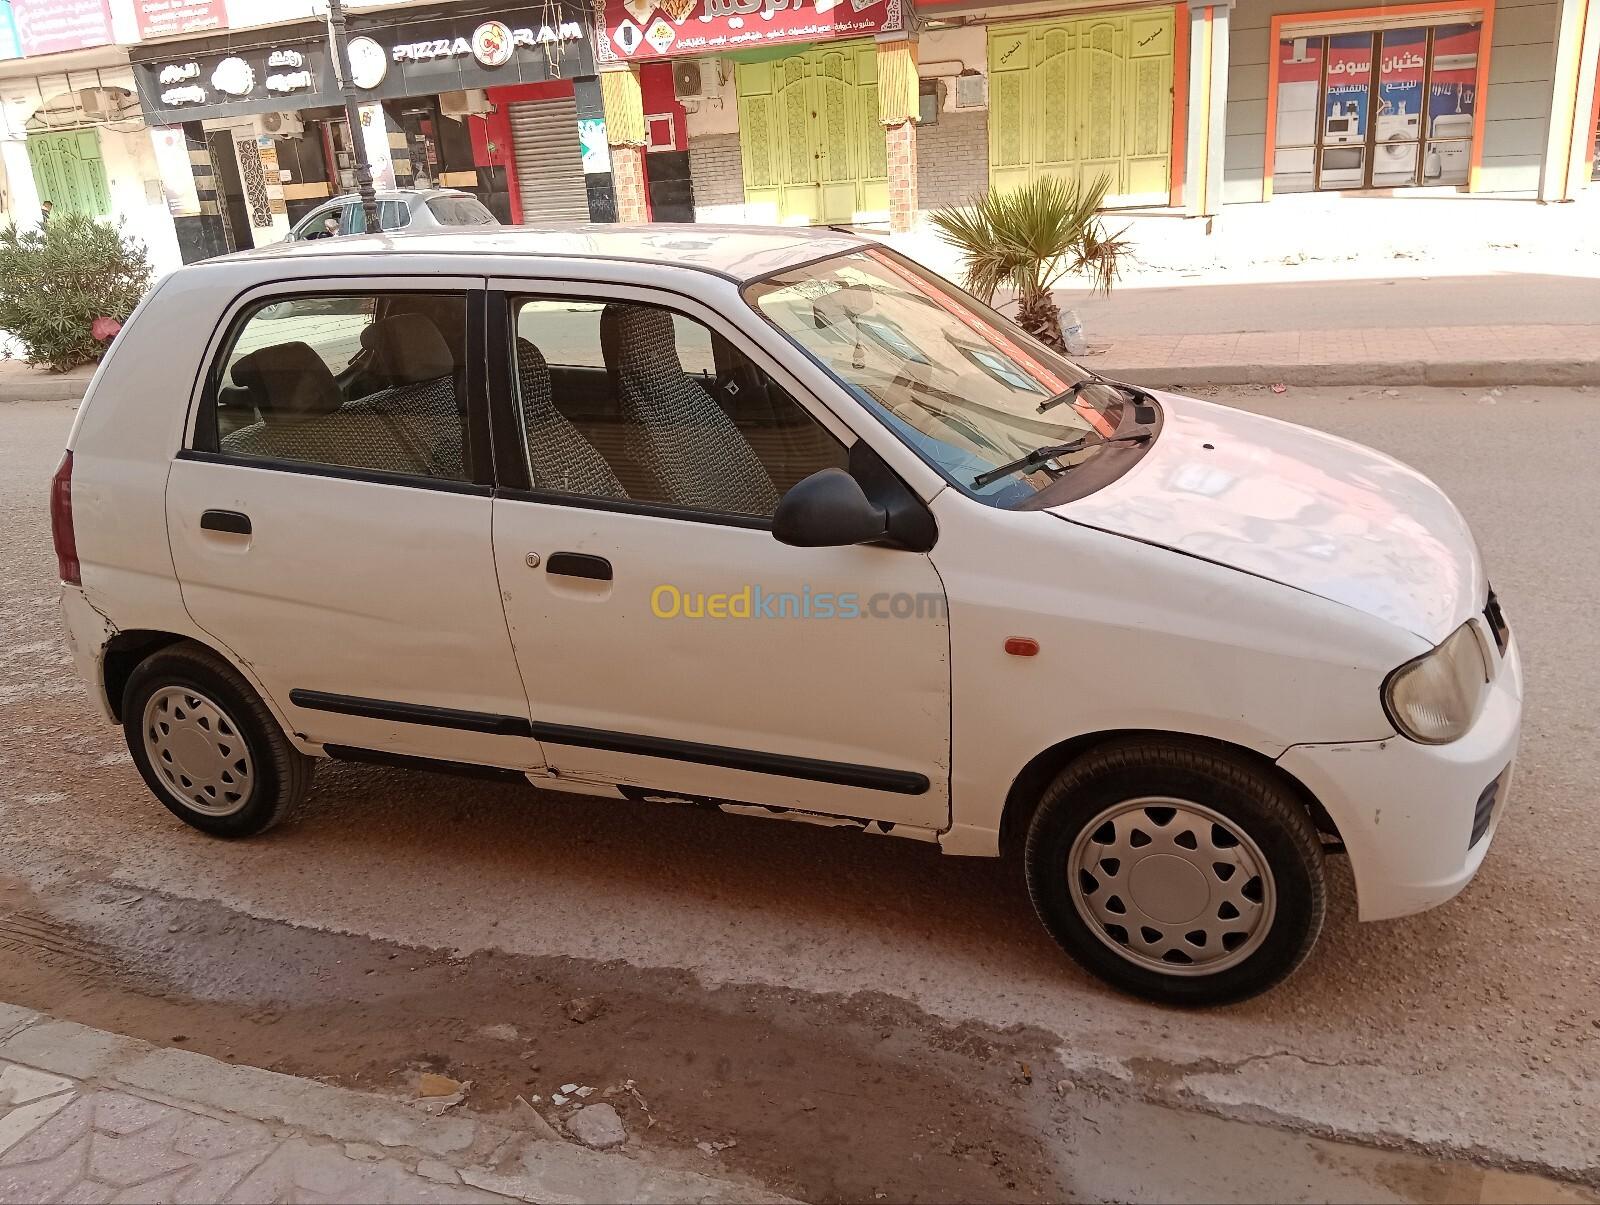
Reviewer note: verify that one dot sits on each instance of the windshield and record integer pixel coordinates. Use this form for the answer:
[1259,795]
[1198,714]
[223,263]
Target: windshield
[961,384]
[461,211]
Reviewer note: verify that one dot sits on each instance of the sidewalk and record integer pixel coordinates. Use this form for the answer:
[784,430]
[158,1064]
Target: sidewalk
[88,1116]
[20,383]
[1535,354]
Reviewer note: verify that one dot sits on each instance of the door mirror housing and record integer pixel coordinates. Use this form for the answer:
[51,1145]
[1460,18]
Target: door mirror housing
[828,509]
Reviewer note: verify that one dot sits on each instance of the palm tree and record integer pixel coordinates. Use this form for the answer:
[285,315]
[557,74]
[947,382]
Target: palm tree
[1030,239]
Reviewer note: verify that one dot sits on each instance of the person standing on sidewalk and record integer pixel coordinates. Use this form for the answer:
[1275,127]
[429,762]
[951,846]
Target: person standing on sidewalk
[44,213]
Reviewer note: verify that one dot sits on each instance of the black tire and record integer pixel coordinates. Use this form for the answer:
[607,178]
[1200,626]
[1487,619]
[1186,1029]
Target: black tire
[1249,797]
[279,773]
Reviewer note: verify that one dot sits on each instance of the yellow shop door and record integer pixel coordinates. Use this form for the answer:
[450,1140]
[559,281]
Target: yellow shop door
[811,142]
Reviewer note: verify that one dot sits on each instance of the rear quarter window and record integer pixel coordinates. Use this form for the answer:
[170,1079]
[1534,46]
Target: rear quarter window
[460,211]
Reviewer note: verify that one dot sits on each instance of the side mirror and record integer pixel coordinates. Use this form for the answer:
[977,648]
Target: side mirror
[828,510]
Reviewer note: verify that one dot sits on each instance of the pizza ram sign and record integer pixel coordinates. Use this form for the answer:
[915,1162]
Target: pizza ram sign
[492,44]
[631,30]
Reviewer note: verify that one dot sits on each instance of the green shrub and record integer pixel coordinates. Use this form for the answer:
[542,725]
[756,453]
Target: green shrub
[54,282]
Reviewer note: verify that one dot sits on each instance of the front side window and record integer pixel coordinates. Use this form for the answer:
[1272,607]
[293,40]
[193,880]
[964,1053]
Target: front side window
[369,381]
[634,402]
[957,382]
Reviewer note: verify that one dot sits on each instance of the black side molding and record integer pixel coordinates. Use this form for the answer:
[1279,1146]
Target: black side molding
[432,765]
[847,774]
[411,713]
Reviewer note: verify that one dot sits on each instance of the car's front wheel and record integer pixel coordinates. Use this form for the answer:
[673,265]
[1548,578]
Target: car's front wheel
[208,746]
[1176,871]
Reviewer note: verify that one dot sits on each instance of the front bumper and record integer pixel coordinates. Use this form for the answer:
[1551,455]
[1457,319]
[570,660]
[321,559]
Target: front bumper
[1405,811]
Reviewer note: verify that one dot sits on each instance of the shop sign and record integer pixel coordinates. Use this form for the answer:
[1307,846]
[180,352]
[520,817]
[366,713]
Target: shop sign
[415,58]
[51,26]
[9,47]
[644,29]
[162,18]
[231,84]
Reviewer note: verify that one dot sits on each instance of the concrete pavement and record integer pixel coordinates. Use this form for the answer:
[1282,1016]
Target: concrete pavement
[88,1116]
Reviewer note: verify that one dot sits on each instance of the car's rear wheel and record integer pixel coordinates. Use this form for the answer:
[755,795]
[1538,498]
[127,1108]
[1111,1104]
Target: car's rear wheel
[1176,871]
[208,746]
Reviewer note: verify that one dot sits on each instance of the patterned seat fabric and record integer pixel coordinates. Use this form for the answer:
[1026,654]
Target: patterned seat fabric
[559,457]
[302,417]
[675,428]
[422,404]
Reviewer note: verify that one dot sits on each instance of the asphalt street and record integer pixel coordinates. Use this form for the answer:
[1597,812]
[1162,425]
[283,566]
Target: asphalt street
[1472,1030]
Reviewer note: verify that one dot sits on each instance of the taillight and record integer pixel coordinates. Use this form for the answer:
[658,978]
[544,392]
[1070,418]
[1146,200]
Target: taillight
[61,532]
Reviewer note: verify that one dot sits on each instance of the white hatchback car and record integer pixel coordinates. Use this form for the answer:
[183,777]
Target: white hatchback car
[781,523]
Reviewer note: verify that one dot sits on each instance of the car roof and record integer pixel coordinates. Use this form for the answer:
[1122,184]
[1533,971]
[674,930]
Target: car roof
[739,253]
[396,194]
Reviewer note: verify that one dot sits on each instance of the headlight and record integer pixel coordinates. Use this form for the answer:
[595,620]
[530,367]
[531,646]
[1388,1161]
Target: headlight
[1435,698]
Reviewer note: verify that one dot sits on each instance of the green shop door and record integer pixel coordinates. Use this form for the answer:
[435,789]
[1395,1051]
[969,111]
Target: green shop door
[809,134]
[68,172]
[1082,98]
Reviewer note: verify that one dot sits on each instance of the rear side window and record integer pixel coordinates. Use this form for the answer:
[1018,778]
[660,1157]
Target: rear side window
[394,215]
[460,211]
[371,381]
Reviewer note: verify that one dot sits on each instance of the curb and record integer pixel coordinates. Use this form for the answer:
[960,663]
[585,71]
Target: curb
[44,389]
[1483,373]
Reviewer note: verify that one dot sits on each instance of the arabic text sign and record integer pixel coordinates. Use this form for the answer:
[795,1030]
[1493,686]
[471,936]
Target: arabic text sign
[642,29]
[51,26]
[159,18]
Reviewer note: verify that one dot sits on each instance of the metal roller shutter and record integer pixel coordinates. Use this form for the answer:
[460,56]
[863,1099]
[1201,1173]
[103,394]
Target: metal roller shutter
[544,139]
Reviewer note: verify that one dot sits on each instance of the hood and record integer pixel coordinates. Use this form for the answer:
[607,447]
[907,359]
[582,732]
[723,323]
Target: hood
[1296,506]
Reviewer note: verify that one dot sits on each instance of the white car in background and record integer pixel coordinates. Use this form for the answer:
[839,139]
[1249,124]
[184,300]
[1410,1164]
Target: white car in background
[779,522]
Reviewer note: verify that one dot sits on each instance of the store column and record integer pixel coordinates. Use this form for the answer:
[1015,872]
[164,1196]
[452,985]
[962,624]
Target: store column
[21,199]
[1208,105]
[625,134]
[1569,150]
[897,110]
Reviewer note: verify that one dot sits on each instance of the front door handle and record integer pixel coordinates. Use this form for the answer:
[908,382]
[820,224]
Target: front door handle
[232,521]
[579,564]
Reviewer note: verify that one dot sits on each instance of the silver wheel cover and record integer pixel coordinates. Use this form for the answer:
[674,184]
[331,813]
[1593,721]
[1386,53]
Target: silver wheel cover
[1172,886]
[197,752]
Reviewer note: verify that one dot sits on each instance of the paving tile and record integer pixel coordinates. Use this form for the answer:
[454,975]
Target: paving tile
[19,1123]
[55,1135]
[211,1138]
[136,1158]
[152,1192]
[86,1192]
[119,1113]
[41,1180]
[217,1177]
[19,1085]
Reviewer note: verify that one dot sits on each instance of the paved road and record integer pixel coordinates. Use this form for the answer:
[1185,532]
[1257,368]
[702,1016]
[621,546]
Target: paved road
[1474,1028]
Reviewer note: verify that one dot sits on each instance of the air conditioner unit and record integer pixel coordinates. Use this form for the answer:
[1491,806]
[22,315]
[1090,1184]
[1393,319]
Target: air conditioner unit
[686,78]
[469,103]
[282,125]
[972,90]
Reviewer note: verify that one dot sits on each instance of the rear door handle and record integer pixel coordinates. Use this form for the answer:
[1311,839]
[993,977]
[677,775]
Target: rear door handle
[579,564]
[232,521]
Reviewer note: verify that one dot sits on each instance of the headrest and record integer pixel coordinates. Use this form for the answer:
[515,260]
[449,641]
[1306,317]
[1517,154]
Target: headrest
[408,349]
[534,375]
[288,383]
[647,339]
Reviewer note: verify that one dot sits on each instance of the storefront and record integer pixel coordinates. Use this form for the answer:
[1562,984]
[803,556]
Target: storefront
[789,92]
[265,128]
[1392,106]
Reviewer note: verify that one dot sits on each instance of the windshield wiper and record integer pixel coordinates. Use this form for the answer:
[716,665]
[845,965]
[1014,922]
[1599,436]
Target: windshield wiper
[1040,457]
[1132,392]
